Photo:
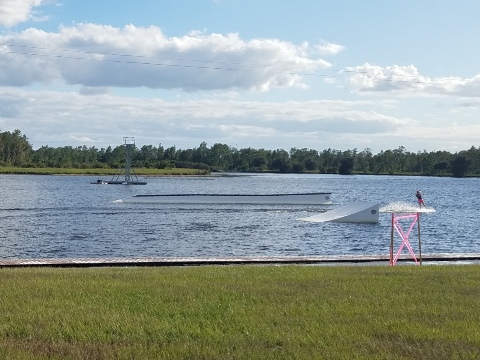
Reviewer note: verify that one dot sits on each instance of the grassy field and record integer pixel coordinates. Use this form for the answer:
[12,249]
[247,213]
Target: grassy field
[99,172]
[241,312]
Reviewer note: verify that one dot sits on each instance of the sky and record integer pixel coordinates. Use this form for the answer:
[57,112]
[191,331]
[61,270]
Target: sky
[269,74]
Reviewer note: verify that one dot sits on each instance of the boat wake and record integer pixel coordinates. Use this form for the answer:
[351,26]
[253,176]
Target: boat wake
[401,207]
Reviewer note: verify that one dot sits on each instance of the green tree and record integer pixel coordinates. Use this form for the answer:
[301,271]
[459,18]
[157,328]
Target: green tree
[460,165]
[260,160]
[219,156]
[201,154]
[15,149]
[280,161]
[364,160]
[329,161]
[346,166]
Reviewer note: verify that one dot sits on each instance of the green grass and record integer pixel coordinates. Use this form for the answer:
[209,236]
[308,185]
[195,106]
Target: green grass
[108,172]
[241,312]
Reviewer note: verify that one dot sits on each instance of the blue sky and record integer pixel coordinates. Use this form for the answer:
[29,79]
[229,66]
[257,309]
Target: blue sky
[261,74]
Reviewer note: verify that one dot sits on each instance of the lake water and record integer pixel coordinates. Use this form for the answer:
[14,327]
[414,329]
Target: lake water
[67,217]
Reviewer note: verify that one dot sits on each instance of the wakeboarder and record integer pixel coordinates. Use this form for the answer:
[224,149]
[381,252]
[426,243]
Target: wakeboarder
[420,200]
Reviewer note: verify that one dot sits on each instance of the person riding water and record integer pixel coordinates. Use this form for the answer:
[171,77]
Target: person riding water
[420,200]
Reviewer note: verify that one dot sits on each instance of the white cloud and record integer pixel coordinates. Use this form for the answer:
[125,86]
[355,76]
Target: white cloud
[83,140]
[96,63]
[10,106]
[104,56]
[61,119]
[326,48]
[406,80]
[13,12]
[87,90]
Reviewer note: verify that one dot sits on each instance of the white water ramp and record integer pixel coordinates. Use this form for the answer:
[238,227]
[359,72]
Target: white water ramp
[356,212]
[279,199]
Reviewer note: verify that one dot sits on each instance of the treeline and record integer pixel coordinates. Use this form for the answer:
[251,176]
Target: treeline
[16,151]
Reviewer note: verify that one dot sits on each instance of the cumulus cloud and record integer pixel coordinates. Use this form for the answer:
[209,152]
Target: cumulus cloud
[13,12]
[10,105]
[327,48]
[83,140]
[407,80]
[93,55]
[61,119]
[87,90]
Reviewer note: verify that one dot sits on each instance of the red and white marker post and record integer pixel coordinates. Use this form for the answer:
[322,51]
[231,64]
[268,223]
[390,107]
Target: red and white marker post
[396,224]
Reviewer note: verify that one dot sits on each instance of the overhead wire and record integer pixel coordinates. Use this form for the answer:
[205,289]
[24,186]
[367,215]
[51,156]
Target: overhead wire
[260,67]
[333,73]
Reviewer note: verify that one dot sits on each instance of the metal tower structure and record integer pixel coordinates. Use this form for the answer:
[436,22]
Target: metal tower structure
[128,173]
[129,143]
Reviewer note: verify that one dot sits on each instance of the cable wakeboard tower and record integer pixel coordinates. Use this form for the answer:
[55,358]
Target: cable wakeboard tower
[126,175]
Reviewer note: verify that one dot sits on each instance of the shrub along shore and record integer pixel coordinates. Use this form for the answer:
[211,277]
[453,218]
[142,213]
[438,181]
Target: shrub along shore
[241,312]
[98,172]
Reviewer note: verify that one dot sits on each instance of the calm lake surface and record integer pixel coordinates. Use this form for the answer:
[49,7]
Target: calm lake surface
[67,217]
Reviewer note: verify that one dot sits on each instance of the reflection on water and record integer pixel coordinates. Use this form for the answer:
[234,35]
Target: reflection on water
[66,216]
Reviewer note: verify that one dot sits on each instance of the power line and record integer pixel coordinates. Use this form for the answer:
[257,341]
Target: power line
[260,67]
[334,73]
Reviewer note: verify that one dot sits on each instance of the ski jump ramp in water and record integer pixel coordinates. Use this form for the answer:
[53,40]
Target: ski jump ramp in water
[356,212]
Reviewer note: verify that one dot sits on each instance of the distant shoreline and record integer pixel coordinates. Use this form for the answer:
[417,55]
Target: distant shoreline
[179,172]
[100,172]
